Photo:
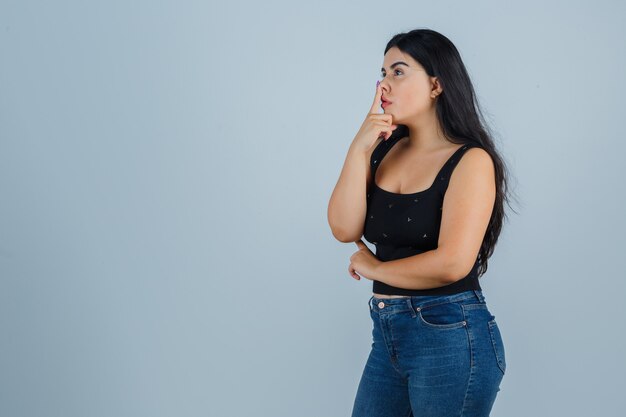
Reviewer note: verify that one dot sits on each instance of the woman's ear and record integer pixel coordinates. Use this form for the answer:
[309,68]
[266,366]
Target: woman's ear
[435,87]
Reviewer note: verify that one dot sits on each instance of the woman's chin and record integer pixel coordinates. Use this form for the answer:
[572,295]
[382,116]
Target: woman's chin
[396,120]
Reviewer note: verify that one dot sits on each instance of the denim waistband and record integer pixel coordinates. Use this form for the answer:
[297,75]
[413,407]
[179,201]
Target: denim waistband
[408,303]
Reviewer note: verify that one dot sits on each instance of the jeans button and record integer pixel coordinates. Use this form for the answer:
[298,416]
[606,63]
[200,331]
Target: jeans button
[381,304]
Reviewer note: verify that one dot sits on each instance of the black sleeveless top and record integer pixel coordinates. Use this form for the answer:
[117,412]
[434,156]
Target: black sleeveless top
[402,225]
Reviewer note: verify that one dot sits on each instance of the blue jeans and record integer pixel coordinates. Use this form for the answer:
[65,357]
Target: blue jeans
[431,356]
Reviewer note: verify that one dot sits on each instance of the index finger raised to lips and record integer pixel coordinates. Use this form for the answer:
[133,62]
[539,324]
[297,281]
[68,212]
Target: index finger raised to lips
[377,101]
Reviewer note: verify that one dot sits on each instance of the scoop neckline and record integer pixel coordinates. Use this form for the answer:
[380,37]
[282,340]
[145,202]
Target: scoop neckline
[432,186]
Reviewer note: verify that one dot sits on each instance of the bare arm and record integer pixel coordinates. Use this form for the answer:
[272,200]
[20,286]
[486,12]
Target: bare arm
[348,203]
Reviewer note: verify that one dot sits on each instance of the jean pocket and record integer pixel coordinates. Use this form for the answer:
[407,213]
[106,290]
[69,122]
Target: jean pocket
[498,344]
[442,316]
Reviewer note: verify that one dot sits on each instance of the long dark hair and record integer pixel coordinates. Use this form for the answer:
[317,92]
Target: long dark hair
[459,115]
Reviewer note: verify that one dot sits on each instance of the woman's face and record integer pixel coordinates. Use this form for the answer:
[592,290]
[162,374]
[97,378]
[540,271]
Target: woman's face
[406,86]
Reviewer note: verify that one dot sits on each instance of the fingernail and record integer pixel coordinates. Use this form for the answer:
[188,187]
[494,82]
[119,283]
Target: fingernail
[377,83]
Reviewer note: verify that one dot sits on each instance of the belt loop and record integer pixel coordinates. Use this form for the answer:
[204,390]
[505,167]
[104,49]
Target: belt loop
[369,302]
[479,295]
[409,301]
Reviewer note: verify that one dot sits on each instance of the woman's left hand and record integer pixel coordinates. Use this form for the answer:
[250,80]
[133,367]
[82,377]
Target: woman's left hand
[363,261]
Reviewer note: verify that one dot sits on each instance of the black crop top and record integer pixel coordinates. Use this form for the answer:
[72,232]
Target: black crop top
[402,225]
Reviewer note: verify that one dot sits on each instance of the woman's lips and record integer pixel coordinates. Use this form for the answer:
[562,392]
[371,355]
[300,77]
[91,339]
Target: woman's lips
[385,104]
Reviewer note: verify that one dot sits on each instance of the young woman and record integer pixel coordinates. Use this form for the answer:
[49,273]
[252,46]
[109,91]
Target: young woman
[423,182]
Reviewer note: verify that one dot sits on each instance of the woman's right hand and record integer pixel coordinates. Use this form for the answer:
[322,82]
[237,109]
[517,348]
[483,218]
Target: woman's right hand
[375,125]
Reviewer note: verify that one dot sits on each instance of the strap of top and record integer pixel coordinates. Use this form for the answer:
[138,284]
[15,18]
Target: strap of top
[380,151]
[444,174]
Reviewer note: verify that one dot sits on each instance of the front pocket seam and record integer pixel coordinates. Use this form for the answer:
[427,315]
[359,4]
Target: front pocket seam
[441,326]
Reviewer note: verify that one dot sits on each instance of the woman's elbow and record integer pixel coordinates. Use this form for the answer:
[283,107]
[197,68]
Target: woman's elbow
[346,237]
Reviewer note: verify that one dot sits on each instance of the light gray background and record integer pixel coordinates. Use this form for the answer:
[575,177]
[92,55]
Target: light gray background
[165,170]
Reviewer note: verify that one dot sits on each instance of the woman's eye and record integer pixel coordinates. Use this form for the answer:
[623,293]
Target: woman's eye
[400,71]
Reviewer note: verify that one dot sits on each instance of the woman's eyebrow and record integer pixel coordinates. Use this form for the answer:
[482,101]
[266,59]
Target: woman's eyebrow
[395,64]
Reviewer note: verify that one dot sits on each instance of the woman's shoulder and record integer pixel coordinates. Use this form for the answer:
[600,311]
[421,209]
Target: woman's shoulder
[474,160]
